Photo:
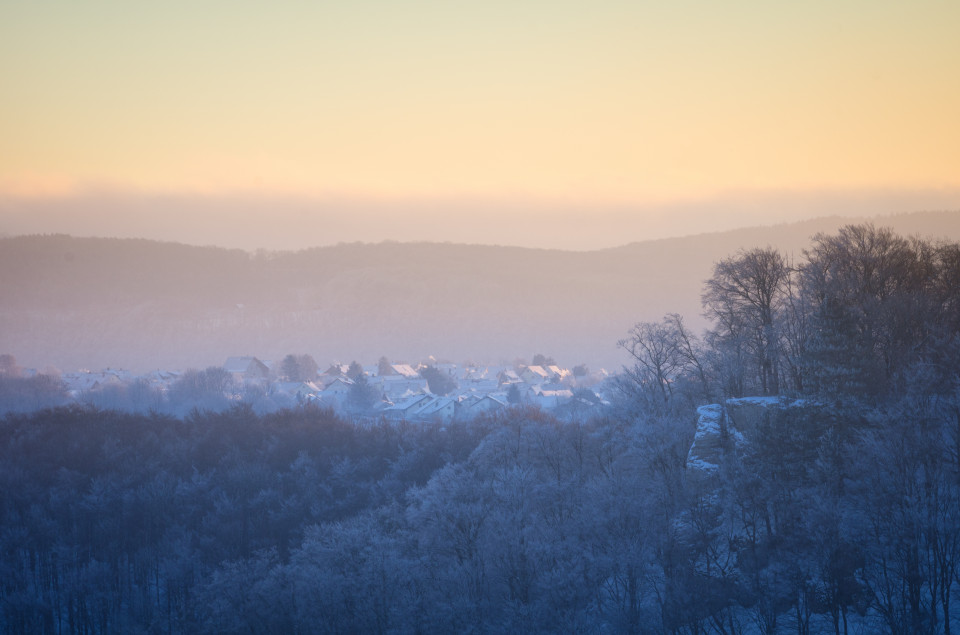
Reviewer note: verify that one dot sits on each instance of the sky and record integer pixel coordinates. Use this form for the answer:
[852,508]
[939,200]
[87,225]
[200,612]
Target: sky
[432,117]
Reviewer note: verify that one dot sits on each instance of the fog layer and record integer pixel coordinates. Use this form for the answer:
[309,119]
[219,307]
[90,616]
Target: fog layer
[277,223]
[143,305]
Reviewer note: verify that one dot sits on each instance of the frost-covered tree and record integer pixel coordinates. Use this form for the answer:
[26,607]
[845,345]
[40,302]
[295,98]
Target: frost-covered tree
[208,388]
[542,360]
[355,370]
[665,355]
[298,368]
[361,396]
[440,383]
[745,297]
[875,306]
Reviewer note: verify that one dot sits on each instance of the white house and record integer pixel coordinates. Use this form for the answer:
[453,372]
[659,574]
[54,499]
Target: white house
[335,392]
[246,369]
[486,403]
[508,377]
[534,375]
[406,408]
[395,386]
[551,398]
[405,370]
[442,408]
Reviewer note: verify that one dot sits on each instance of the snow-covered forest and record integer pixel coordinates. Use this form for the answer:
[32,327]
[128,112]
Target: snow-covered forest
[793,469]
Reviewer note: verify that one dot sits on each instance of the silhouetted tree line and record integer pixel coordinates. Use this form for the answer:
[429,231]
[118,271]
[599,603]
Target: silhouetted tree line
[24,394]
[834,510]
[845,504]
[867,315]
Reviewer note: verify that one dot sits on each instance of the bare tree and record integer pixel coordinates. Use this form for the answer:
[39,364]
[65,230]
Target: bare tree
[874,301]
[663,353]
[690,350]
[744,297]
[653,347]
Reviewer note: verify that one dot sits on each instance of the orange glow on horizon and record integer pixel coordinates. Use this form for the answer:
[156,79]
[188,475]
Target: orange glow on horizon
[619,104]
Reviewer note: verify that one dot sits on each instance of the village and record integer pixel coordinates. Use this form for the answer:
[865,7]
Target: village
[425,391]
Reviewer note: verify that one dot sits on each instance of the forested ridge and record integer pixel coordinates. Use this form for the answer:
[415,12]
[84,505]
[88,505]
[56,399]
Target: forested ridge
[830,505]
[144,305]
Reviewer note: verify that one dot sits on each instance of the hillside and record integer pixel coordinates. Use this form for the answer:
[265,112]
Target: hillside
[91,302]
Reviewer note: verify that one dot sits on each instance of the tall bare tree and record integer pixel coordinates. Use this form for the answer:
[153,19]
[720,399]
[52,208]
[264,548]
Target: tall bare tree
[663,353]
[744,298]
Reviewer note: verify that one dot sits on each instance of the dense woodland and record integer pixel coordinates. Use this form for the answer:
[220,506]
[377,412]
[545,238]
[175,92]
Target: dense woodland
[838,511]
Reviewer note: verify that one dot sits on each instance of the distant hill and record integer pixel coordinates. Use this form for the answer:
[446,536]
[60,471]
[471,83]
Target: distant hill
[138,304]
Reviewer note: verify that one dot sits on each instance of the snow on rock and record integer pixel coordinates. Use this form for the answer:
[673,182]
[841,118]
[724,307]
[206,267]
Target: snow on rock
[704,453]
[700,464]
[766,402]
[730,417]
[754,401]
[709,418]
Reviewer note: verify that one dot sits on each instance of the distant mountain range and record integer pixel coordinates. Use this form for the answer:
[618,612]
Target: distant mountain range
[138,304]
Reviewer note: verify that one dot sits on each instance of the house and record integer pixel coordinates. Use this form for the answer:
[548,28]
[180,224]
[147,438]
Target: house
[335,370]
[81,381]
[472,373]
[551,398]
[86,381]
[487,403]
[508,377]
[246,369]
[335,392]
[394,386]
[482,386]
[581,405]
[406,408]
[534,375]
[450,369]
[337,386]
[163,376]
[442,408]
[299,390]
[405,370]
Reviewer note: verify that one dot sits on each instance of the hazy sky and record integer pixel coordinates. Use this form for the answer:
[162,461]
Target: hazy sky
[522,104]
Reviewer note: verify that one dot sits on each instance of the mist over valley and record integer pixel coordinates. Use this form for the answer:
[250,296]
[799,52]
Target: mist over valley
[144,305]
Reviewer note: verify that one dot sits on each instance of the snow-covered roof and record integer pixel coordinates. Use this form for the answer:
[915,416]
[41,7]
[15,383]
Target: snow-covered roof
[338,382]
[566,392]
[490,398]
[407,404]
[538,370]
[509,376]
[405,369]
[436,406]
[241,365]
[293,387]
[481,385]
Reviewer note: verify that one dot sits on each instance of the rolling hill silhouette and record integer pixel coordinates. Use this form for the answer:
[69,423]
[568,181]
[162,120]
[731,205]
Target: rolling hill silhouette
[139,304]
